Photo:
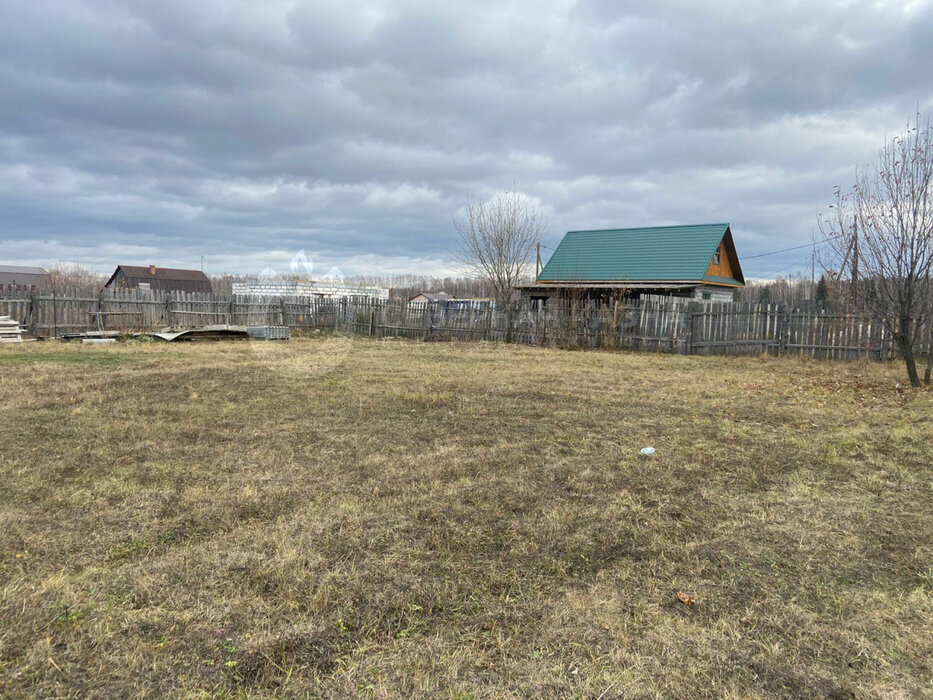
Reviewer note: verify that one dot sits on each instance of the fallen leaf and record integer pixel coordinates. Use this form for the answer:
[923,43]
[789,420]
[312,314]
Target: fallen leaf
[685,599]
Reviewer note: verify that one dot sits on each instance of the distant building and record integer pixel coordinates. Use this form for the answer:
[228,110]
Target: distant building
[162,279]
[325,289]
[424,297]
[693,262]
[29,277]
[472,303]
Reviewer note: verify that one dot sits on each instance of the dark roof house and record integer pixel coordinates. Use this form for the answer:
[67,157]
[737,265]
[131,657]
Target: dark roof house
[21,276]
[698,261]
[164,279]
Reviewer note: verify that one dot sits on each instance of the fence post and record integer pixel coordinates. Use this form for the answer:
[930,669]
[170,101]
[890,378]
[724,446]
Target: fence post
[613,341]
[100,310]
[785,329]
[689,347]
[32,312]
[427,318]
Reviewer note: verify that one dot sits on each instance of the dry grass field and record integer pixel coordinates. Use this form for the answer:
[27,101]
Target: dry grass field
[340,517]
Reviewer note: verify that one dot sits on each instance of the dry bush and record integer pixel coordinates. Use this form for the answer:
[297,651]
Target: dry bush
[76,276]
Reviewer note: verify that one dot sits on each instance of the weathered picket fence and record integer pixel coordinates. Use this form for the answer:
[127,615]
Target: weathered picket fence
[53,313]
[679,326]
[668,325]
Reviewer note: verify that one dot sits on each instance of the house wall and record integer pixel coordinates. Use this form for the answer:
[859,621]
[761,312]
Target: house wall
[717,294]
[271,288]
[119,280]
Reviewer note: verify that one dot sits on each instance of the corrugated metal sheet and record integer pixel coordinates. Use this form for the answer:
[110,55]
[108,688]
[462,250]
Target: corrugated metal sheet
[662,253]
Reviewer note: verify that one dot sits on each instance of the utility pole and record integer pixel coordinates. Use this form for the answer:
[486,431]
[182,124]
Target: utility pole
[202,263]
[538,264]
[813,271]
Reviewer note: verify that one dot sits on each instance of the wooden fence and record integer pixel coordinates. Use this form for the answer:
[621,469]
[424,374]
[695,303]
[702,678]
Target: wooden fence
[669,325]
[54,313]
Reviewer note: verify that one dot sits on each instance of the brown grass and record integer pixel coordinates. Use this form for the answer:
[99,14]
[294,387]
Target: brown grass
[337,517]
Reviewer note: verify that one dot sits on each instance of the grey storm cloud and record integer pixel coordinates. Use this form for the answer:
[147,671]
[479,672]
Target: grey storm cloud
[162,131]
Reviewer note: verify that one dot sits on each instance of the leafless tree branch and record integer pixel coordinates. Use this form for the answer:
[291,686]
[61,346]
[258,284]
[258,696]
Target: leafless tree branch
[881,238]
[498,239]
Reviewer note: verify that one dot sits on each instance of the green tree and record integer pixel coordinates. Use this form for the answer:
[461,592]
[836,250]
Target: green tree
[822,290]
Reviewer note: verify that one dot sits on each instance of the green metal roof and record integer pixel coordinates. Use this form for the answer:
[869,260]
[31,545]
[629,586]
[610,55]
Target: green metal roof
[661,253]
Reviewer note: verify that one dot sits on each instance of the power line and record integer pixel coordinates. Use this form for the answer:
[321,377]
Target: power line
[784,250]
[784,269]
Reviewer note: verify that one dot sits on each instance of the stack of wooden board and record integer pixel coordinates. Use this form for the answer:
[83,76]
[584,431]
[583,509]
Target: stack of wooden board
[10,331]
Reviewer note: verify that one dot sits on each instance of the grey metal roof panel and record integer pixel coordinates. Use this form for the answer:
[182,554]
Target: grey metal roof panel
[163,278]
[163,273]
[24,269]
[26,276]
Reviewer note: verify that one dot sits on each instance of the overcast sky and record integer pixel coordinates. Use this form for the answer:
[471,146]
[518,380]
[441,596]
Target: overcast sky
[158,131]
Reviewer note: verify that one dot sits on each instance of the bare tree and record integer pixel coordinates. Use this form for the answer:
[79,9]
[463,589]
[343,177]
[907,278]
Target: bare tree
[76,275]
[790,290]
[881,239]
[497,242]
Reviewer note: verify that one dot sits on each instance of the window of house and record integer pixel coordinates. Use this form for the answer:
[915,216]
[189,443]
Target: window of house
[707,295]
[716,257]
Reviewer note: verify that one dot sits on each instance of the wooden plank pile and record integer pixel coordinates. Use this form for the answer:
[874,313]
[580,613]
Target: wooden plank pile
[10,331]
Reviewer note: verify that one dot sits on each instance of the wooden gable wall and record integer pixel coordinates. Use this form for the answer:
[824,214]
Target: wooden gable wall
[724,268]
[728,265]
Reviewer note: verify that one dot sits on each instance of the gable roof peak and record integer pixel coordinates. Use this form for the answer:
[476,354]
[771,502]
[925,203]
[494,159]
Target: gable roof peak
[649,253]
[658,229]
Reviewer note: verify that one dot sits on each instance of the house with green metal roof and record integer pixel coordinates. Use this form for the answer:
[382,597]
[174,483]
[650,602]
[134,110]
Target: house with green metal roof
[696,262]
